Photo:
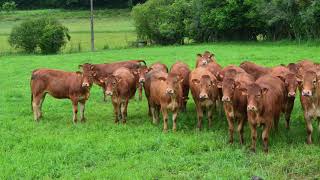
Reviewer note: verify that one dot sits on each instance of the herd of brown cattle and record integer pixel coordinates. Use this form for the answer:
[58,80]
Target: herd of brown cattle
[248,92]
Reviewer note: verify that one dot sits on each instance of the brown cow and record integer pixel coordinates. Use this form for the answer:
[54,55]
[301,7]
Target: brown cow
[291,83]
[183,71]
[153,71]
[165,94]
[229,72]
[159,67]
[234,103]
[121,86]
[205,58]
[265,101]
[310,99]
[255,70]
[61,85]
[101,71]
[205,93]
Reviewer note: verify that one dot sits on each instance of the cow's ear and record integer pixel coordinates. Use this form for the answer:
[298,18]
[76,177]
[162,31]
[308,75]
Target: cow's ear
[219,76]
[237,85]
[102,80]
[119,79]
[92,67]
[79,73]
[199,55]
[264,90]
[281,78]
[244,91]
[149,69]
[195,81]
[134,72]
[299,80]
[219,84]
[180,79]
[80,66]
[211,55]
[162,78]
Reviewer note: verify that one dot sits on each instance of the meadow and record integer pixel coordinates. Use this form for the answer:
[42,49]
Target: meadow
[113,28]
[56,148]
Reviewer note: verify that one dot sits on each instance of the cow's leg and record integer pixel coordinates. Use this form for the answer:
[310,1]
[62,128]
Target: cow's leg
[253,128]
[82,108]
[308,121]
[104,95]
[200,116]
[209,114]
[75,110]
[153,113]
[265,136]
[36,101]
[288,111]
[124,109]
[174,120]
[240,129]
[276,120]
[318,126]
[165,119]
[41,102]
[140,91]
[157,113]
[231,128]
[116,106]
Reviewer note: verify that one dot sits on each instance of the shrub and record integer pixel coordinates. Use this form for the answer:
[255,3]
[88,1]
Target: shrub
[160,21]
[47,34]
[9,6]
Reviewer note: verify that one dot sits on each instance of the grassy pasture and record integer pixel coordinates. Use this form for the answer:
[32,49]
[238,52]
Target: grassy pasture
[113,28]
[55,148]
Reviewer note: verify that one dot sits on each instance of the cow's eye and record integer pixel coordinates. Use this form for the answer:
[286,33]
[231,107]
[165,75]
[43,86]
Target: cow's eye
[314,81]
[258,96]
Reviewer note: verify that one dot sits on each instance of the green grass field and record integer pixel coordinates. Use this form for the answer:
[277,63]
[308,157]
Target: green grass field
[55,148]
[113,28]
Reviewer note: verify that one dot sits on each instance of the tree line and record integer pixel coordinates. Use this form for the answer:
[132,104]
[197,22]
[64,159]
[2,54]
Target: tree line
[172,21]
[72,4]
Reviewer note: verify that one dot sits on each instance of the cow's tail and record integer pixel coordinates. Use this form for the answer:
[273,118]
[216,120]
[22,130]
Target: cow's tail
[142,61]
[31,102]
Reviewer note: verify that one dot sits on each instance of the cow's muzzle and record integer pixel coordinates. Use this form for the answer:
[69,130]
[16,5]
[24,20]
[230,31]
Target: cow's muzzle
[85,84]
[142,80]
[226,99]
[203,96]
[292,94]
[108,93]
[252,108]
[306,93]
[169,91]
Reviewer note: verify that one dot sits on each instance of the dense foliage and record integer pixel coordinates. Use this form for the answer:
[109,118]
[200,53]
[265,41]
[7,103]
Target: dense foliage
[9,6]
[170,21]
[47,34]
[72,4]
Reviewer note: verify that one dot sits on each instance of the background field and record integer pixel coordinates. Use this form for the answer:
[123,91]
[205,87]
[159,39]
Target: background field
[55,148]
[113,28]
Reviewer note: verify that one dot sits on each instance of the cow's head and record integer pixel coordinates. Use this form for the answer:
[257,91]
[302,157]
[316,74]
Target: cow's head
[205,58]
[293,68]
[111,84]
[255,95]
[205,85]
[291,82]
[173,83]
[87,74]
[229,85]
[309,83]
[142,71]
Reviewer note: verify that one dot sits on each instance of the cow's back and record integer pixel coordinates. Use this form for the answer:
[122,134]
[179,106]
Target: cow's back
[59,84]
